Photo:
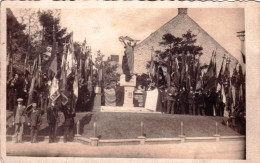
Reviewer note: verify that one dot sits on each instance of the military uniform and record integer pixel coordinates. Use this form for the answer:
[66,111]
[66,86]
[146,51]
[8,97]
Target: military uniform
[35,122]
[172,99]
[191,103]
[183,102]
[68,125]
[52,118]
[199,101]
[19,120]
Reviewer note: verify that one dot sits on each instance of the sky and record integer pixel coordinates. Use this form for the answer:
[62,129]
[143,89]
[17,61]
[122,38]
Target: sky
[102,27]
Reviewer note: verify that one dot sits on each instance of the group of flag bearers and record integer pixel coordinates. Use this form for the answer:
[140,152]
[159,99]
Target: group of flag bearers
[199,90]
[52,88]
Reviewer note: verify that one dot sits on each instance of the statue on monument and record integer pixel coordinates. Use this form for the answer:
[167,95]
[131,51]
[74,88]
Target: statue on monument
[128,58]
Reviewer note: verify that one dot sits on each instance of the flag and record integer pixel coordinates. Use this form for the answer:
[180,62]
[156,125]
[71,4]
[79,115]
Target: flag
[176,71]
[70,60]
[243,57]
[53,66]
[54,89]
[64,98]
[210,76]
[221,72]
[152,66]
[215,64]
[76,87]
[224,100]
[227,74]
[210,71]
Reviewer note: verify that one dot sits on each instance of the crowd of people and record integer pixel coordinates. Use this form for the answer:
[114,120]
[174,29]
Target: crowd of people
[182,101]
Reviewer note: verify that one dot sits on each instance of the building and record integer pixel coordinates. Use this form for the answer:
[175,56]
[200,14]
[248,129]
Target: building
[177,26]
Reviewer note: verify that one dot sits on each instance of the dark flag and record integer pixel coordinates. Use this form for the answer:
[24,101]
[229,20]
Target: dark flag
[221,72]
[210,76]
[243,57]
[53,66]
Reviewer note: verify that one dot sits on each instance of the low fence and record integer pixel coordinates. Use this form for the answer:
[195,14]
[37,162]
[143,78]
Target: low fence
[95,141]
[141,140]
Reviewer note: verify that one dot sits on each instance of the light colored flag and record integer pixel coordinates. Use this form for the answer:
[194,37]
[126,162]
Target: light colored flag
[54,90]
[224,99]
[71,59]
[76,87]
[218,87]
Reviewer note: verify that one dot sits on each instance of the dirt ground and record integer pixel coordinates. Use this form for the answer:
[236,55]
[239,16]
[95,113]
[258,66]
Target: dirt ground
[191,150]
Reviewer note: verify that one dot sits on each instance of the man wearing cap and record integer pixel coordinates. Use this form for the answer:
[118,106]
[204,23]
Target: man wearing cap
[69,115]
[52,118]
[172,99]
[199,101]
[19,120]
[35,122]
[191,103]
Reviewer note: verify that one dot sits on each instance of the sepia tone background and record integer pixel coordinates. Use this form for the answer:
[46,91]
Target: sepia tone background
[252,51]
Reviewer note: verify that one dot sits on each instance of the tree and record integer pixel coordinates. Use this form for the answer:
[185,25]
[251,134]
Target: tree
[109,73]
[50,20]
[179,53]
[16,46]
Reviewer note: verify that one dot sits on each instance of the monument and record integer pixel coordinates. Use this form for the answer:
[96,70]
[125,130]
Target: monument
[127,79]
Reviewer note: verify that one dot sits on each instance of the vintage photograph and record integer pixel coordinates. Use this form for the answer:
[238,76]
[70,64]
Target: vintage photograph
[126,83]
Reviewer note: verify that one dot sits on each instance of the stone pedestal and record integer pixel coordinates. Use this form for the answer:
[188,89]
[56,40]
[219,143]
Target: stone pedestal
[97,100]
[217,136]
[142,139]
[182,138]
[94,141]
[129,97]
[129,90]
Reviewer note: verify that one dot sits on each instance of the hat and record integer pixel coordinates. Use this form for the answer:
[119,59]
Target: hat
[47,54]
[34,104]
[20,100]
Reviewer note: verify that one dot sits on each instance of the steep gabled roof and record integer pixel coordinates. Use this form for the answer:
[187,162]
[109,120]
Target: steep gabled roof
[177,26]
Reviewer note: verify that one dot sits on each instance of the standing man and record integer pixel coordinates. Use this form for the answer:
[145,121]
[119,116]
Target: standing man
[69,115]
[191,103]
[19,120]
[12,88]
[172,99]
[199,101]
[52,118]
[183,100]
[35,122]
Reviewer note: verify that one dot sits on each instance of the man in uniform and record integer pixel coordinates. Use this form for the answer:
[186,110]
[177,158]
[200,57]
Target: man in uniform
[52,118]
[172,99]
[183,101]
[199,101]
[12,87]
[35,122]
[69,115]
[19,120]
[191,103]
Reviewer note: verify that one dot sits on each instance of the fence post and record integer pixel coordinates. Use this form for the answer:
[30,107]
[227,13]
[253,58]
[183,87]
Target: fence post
[77,130]
[217,136]
[94,140]
[142,137]
[182,136]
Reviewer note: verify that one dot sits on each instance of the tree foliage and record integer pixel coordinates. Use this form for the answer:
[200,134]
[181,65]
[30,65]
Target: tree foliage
[179,45]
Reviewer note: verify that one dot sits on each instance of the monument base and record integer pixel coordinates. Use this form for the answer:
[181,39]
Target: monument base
[129,97]
[129,90]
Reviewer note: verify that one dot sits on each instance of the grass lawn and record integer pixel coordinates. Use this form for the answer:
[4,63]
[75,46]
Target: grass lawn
[127,125]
